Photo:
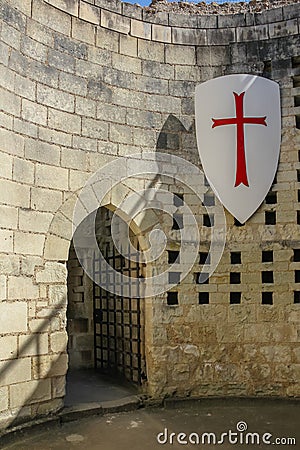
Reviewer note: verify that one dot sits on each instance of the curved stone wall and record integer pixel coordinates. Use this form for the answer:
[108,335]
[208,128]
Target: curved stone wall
[84,82]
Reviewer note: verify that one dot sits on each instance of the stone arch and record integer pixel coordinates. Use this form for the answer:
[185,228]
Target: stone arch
[87,332]
[61,229]
[56,254]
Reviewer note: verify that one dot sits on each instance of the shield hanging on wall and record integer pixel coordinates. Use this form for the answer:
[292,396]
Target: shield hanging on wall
[238,127]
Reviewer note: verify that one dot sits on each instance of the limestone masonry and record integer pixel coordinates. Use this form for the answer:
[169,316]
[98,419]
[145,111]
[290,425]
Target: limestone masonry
[84,83]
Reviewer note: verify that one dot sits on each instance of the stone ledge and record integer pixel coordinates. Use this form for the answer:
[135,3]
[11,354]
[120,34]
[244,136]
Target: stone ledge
[81,410]
[177,402]
[70,7]
[71,413]
[130,17]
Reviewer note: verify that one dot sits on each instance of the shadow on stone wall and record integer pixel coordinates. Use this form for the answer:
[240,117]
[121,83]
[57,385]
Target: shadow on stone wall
[177,139]
[36,386]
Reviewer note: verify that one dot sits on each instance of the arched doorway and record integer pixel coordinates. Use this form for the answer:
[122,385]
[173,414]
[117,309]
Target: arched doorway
[106,330]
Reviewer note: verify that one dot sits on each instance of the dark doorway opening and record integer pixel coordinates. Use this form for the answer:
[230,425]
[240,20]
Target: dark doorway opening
[106,330]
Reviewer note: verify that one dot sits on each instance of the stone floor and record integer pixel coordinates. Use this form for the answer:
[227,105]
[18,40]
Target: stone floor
[139,429]
[88,386]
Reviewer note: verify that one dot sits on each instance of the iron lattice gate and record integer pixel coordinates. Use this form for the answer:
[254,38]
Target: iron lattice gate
[118,321]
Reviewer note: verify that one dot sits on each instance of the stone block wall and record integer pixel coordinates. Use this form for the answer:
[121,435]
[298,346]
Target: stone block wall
[85,82]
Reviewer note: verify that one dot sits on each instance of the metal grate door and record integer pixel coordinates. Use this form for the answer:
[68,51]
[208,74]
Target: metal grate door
[119,322]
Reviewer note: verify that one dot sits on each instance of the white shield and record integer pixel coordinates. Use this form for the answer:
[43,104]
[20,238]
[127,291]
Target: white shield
[238,126]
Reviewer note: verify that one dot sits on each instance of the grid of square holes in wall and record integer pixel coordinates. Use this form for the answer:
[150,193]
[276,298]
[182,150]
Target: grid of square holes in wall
[267,274]
[270,204]
[235,296]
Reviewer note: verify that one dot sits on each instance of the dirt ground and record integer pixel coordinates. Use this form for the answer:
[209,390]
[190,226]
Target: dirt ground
[252,421]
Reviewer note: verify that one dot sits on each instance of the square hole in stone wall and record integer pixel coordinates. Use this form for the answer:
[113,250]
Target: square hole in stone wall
[204,258]
[235,277]
[297,276]
[235,298]
[178,199]
[173,257]
[208,220]
[209,200]
[174,277]
[203,298]
[267,298]
[267,256]
[177,222]
[298,217]
[172,298]
[235,257]
[270,217]
[298,175]
[296,257]
[200,277]
[267,276]
[298,195]
[296,296]
[271,198]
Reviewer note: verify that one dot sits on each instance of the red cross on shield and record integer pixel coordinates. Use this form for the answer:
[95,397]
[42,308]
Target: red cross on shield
[238,127]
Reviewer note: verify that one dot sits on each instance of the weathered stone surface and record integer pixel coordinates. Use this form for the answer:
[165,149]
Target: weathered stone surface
[83,83]
[56,248]
[180,55]
[49,97]
[33,344]
[51,177]
[140,29]
[188,37]
[151,50]
[10,102]
[89,13]
[66,45]
[15,372]
[83,31]
[30,392]
[98,90]
[6,166]
[3,398]
[115,22]
[8,349]
[21,287]
[14,194]
[61,61]
[48,366]
[58,342]
[51,17]
[14,317]
[35,50]
[12,17]
[28,243]
[161,33]
[69,6]
[94,128]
